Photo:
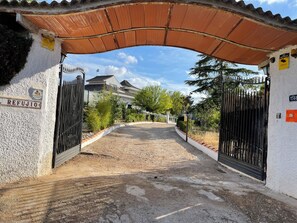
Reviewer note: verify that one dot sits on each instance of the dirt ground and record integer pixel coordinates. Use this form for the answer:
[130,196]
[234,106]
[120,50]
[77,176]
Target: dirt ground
[143,173]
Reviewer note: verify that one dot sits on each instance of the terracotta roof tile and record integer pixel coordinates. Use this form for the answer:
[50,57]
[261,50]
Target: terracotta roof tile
[34,6]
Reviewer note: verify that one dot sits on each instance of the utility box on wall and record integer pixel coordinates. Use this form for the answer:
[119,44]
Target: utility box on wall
[291,116]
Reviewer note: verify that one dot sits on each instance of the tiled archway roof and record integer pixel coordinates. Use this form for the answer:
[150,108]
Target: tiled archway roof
[224,29]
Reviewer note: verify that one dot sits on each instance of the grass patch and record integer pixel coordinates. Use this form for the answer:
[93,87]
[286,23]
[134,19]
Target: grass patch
[209,138]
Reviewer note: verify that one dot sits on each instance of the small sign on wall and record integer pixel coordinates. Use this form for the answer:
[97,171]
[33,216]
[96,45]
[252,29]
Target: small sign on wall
[20,103]
[284,61]
[48,42]
[291,116]
[36,94]
[293,98]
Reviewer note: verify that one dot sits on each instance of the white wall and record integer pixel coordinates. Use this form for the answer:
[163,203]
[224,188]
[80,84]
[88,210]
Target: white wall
[26,143]
[93,96]
[113,81]
[282,136]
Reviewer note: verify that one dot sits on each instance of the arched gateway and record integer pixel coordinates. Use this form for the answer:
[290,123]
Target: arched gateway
[226,29]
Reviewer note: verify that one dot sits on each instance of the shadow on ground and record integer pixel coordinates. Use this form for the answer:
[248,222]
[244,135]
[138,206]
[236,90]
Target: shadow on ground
[197,190]
[179,194]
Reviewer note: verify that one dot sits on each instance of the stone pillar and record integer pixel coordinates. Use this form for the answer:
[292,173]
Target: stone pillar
[282,133]
[168,117]
[26,144]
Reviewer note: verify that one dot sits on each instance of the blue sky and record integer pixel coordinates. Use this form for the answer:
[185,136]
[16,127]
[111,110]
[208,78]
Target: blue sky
[165,66]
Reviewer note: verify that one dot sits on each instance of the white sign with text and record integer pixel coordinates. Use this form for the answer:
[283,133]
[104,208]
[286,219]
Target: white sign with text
[20,103]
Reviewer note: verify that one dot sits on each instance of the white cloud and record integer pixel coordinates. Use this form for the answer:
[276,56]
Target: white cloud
[269,2]
[118,71]
[141,81]
[122,73]
[128,59]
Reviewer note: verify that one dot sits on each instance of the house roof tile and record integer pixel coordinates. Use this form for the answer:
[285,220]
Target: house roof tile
[127,84]
[100,78]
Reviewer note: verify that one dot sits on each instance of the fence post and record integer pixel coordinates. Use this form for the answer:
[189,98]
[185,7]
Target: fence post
[58,113]
[167,117]
[221,118]
[187,129]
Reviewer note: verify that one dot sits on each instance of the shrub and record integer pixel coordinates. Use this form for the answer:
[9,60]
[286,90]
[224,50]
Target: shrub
[93,119]
[141,117]
[104,108]
[161,119]
[116,109]
[183,125]
[180,118]
[214,120]
[208,119]
[135,117]
[130,118]
[124,111]
[108,108]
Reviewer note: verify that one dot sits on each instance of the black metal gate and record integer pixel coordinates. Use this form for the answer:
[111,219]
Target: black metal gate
[68,133]
[243,132]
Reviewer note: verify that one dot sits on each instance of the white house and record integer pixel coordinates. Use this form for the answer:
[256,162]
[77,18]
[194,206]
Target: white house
[124,89]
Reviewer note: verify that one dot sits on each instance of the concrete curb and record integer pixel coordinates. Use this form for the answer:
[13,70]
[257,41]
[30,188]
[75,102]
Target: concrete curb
[105,132]
[212,154]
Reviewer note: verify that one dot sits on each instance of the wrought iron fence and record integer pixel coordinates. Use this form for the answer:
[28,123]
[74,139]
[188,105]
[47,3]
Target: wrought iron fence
[68,132]
[243,132]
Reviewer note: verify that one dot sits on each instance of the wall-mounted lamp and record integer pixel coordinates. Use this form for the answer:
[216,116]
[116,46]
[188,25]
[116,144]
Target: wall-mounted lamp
[272,59]
[294,53]
[266,70]
[265,67]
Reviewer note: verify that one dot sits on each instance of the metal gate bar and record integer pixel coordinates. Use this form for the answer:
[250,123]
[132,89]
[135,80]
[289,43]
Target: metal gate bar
[243,132]
[68,133]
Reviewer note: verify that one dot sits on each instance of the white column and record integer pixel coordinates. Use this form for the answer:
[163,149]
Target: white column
[26,134]
[168,117]
[282,135]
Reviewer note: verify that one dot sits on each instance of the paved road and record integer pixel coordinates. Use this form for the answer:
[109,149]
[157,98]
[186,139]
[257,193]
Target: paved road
[143,173]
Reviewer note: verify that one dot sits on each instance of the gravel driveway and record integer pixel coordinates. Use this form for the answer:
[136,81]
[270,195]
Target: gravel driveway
[143,173]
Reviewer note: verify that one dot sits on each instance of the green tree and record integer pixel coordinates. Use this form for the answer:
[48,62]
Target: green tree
[188,102]
[207,115]
[153,99]
[208,74]
[177,99]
